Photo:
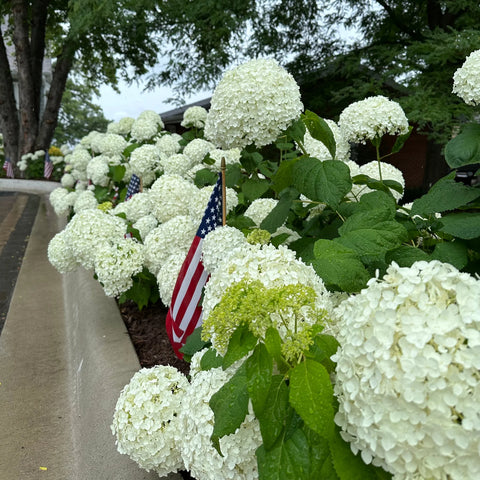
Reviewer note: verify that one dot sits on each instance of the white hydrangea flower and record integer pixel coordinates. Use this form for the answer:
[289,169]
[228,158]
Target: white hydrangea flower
[113,144]
[408,372]
[317,149]
[253,103]
[389,172]
[116,263]
[194,117]
[196,427]
[143,129]
[146,418]
[466,79]
[167,276]
[60,254]
[372,117]
[197,149]
[273,267]
[259,209]
[169,144]
[177,164]
[85,200]
[231,157]
[92,141]
[97,171]
[67,180]
[138,206]
[171,195]
[145,225]
[122,127]
[23,164]
[62,200]
[173,236]
[145,159]
[153,117]
[198,203]
[88,229]
[219,244]
[79,159]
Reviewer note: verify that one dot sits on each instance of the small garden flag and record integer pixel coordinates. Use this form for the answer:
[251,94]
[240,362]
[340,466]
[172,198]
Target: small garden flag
[185,313]
[48,167]
[133,187]
[7,166]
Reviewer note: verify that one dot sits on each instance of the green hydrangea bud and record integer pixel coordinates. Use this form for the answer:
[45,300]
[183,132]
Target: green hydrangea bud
[259,236]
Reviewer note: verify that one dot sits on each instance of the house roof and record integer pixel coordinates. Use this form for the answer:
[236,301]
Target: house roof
[175,116]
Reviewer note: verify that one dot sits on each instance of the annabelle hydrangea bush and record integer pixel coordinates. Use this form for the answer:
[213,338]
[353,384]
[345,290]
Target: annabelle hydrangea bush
[314,245]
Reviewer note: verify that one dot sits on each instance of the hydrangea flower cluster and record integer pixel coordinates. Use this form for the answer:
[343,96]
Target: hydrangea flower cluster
[145,159]
[85,200]
[146,126]
[196,427]
[116,264]
[113,144]
[168,144]
[253,103]
[146,418]
[194,117]
[97,170]
[62,200]
[122,127]
[272,267]
[467,78]
[372,118]
[197,149]
[60,254]
[408,372]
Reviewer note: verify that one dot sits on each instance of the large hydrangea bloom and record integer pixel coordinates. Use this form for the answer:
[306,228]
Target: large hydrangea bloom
[196,427]
[146,418]
[372,117]
[466,80]
[408,372]
[253,103]
[145,159]
[194,117]
[60,254]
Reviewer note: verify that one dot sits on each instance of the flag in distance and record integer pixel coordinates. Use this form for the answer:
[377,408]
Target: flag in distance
[48,167]
[7,166]
[133,187]
[185,313]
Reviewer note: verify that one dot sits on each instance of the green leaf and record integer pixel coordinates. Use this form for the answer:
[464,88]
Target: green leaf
[406,255]
[455,253]
[401,139]
[205,177]
[461,225]
[446,194]
[194,343]
[339,267]
[324,346]
[210,359]
[296,131]
[117,172]
[327,181]
[241,342]
[378,200]
[311,395]
[276,218]
[233,175]
[287,460]
[283,178]
[371,218]
[349,466]
[273,343]
[254,188]
[321,466]
[273,419]
[130,149]
[320,130]
[464,149]
[259,368]
[230,405]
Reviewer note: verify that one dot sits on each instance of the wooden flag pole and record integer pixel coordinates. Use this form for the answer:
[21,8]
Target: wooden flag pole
[224,193]
[140,189]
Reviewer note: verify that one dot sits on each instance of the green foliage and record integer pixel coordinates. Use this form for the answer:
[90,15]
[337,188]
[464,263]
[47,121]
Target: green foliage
[144,290]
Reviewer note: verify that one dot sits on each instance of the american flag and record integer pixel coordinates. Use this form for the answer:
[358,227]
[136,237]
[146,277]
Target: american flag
[7,166]
[133,187]
[48,167]
[185,313]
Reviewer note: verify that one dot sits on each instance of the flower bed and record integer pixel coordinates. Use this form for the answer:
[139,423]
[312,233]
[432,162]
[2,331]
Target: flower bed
[340,335]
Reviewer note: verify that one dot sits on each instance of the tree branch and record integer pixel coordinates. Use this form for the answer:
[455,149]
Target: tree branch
[396,20]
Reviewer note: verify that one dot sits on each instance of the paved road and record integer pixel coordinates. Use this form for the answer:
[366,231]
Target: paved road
[17,213]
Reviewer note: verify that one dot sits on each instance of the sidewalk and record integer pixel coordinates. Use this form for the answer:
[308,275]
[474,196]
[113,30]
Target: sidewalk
[64,357]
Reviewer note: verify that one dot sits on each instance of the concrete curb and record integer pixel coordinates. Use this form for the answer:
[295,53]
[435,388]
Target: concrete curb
[65,355]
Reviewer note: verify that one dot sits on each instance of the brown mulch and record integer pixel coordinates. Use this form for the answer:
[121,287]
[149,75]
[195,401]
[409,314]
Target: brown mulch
[149,336]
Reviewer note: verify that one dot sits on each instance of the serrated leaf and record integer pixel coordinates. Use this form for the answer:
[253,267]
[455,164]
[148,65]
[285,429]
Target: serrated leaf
[464,149]
[259,368]
[283,178]
[327,181]
[320,131]
[370,218]
[254,188]
[194,343]
[273,343]
[406,255]
[324,346]
[296,131]
[455,253]
[230,404]
[273,419]
[311,395]
[378,200]
[233,175]
[276,218]
[401,139]
[446,194]
[205,177]
[461,225]
[117,172]
[241,342]
[339,267]
[210,359]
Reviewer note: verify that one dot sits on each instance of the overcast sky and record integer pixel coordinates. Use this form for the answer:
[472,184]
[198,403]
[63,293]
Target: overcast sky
[132,100]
